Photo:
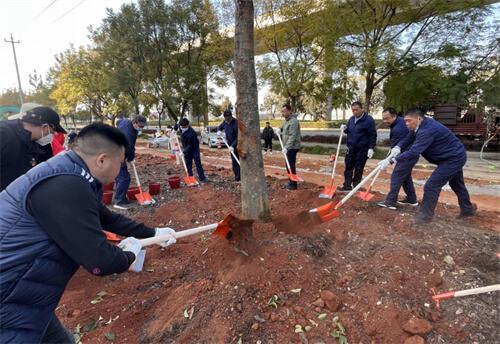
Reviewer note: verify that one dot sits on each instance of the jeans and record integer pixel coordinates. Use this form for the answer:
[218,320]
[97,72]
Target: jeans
[355,160]
[56,333]
[291,154]
[197,161]
[122,183]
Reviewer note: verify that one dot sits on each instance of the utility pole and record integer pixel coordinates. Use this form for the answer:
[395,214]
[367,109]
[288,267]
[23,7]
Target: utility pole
[17,68]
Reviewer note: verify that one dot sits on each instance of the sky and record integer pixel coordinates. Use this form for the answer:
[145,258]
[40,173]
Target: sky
[44,29]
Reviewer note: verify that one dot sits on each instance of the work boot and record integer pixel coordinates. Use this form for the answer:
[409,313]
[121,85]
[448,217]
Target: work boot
[406,201]
[465,214]
[388,205]
[344,189]
[291,187]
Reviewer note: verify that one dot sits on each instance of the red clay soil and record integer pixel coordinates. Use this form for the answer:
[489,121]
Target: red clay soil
[369,268]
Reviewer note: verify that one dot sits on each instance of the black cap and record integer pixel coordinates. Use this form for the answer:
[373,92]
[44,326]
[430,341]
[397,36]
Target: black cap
[44,115]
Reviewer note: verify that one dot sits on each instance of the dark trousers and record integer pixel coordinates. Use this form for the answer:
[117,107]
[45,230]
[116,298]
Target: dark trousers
[451,172]
[401,177]
[355,160]
[291,154]
[268,144]
[236,166]
[56,333]
[197,161]
[122,182]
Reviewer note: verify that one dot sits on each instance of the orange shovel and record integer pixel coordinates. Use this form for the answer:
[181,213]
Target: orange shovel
[189,180]
[330,189]
[367,195]
[291,176]
[143,197]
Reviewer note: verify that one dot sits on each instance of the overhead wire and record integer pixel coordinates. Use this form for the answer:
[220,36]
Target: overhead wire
[68,11]
[45,9]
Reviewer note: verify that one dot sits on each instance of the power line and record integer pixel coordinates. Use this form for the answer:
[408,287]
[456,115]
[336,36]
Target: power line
[17,67]
[45,9]
[71,9]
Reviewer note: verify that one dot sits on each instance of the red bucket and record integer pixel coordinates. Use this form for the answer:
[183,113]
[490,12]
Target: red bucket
[174,182]
[131,193]
[107,197]
[154,188]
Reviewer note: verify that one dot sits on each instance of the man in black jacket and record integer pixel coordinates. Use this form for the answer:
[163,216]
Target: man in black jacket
[51,222]
[267,136]
[25,143]
[191,149]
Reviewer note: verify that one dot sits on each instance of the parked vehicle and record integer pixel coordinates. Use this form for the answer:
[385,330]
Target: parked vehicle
[209,137]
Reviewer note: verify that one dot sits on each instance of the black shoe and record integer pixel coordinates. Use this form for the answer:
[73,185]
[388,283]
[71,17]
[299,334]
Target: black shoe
[344,189]
[421,220]
[407,202]
[388,205]
[465,214]
[291,187]
[122,205]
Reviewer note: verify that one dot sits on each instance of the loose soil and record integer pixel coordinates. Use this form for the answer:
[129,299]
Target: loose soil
[368,267]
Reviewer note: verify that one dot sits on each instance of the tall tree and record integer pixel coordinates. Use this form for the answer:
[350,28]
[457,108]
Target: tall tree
[254,196]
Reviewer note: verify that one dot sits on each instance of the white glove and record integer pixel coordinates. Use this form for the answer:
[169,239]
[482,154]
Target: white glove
[131,244]
[231,149]
[395,152]
[343,127]
[393,161]
[277,131]
[181,153]
[384,164]
[166,231]
[219,133]
[284,150]
[370,153]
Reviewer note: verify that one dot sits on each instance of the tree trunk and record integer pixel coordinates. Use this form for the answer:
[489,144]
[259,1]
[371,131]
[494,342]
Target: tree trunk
[254,196]
[368,91]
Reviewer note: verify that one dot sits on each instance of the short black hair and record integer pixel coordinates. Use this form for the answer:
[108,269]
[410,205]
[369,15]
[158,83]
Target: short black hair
[391,110]
[358,103]
[414,112]
[287,106]
[227,113]
[72,137]
[268,123]
[99,137]
[184,122]
[141,120]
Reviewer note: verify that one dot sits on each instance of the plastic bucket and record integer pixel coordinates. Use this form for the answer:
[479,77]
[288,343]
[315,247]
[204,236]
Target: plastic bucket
[131,193]
[107,197]
[108,187]
[174,182]
[154,188]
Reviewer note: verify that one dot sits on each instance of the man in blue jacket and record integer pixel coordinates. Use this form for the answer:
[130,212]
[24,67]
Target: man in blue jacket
[51,221]
[361,139]
[131,129]
[191,149]
[438,145]
[230,128]
[401,175]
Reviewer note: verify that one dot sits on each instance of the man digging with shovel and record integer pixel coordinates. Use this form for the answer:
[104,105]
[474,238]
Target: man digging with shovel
[51,221]
[291,142]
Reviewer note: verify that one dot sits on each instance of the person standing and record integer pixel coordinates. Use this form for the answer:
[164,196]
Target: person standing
[25,142]
[131,129]
[361,140]
[401,175]
[230,128]
[291,141]
[438,145]
[51,221]
[267,136]
[191,149]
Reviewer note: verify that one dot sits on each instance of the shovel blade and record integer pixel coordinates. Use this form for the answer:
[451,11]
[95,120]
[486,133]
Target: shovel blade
[144,198]
[365,195]
[191,181]
[229,224]
[328,192]
[326,212]
[294,177]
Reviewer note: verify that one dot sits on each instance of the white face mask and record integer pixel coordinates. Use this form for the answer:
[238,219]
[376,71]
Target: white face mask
[184,129]
[45,140]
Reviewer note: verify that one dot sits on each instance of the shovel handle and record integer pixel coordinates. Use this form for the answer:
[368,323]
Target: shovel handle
[353,191]
[182,157]
[232,153]
[336,157]
[162,238]
[286,158]
[136,175]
